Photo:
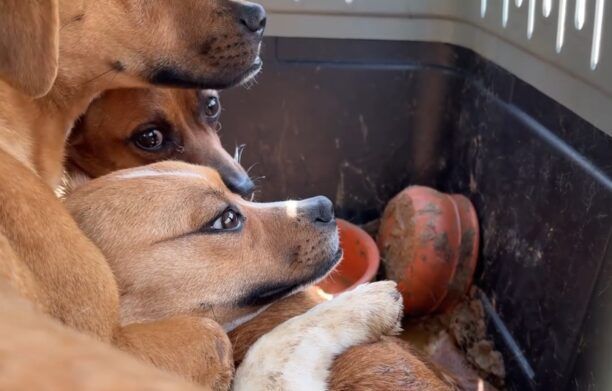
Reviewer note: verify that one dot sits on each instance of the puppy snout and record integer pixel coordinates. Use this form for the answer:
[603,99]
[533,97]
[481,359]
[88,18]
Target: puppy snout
[319,210]
[243,186]
[252,16]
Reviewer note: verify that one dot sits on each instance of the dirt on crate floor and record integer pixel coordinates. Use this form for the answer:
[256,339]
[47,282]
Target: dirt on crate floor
[458,343]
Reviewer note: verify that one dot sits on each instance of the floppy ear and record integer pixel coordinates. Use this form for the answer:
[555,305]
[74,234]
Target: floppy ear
[29,44]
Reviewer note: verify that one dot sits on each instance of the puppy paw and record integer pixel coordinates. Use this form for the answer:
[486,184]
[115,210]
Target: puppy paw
[373,310]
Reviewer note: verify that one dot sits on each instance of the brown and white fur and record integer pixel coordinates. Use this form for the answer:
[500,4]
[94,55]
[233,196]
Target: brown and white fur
[56,56]
[298,354]
[155,226]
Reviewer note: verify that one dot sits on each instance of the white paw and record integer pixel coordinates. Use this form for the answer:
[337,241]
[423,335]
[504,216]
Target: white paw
[375,309]
[297,354]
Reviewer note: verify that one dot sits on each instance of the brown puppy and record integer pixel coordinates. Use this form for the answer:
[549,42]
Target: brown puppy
[180,243]
[160,124]
[55,57]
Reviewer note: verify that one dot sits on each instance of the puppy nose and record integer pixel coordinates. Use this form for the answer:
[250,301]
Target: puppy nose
[319,209]
[243,186]
[253,16]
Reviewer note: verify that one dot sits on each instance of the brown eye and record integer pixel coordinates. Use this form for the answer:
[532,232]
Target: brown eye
[227,221]
[212,107]
[149,140]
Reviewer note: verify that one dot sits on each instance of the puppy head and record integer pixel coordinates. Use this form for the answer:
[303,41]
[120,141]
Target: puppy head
[179,242]
[161,124]
[188,43]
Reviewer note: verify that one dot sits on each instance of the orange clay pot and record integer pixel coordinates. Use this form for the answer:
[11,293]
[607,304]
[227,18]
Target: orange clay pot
[429,243]
[468,253]
[359,264]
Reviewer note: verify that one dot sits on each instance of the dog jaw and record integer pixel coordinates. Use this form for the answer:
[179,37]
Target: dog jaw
[175,77]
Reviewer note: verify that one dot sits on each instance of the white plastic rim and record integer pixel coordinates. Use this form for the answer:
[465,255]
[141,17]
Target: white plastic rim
[540,41]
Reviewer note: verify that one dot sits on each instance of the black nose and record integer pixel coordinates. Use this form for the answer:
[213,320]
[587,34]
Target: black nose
[241,185]
[318,209]
[253,16]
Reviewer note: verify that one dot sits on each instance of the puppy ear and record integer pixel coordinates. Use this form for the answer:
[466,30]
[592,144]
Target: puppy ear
[29,44]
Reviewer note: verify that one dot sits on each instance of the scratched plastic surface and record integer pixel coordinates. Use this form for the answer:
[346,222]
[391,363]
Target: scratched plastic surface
[360,120]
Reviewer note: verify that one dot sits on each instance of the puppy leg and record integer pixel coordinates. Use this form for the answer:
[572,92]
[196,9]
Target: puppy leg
[389,364]
[39,353]
[297,354]
[193,347]
[60,267]
[15,274]
[244,336]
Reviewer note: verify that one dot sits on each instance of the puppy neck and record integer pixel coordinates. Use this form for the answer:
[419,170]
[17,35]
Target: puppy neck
[230,326]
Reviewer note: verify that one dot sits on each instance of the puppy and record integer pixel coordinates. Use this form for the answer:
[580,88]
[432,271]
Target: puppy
[56,56]
[160,124]
[180,243]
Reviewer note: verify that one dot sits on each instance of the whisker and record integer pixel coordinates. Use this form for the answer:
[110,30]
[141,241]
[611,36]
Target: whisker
[252,82]
[100,75]
[254,194]
[258,178]
[250,168]
[238,150]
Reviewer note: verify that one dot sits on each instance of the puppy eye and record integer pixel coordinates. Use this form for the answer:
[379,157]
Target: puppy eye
[212,107]
[229,220]
[149,140]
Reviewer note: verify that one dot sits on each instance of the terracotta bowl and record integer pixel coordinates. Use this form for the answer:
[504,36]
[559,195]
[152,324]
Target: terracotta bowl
[359,264]
[429,241]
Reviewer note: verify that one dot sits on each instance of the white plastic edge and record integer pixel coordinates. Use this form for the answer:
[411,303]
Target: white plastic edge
[565,76]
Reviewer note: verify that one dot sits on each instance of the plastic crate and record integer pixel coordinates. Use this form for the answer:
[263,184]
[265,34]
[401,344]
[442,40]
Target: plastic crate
[489,98]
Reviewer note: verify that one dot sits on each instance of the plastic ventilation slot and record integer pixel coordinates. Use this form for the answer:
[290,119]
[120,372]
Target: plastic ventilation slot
[597,28]
[579,20]
[561,25]
[531,18]
[580,16]
[505,11]
[547,8]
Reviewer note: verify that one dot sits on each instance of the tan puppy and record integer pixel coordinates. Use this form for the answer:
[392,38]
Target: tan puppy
[180,243]
[55,57]
[158,124]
